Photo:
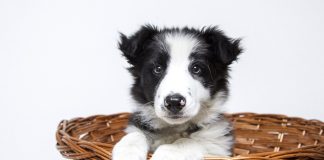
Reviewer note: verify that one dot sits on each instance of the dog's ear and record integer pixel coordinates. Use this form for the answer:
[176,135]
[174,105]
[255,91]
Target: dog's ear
[133,46]
[226,49]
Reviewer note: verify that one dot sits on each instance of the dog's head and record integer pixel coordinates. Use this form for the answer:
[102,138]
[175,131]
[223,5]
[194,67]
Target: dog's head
[179,71]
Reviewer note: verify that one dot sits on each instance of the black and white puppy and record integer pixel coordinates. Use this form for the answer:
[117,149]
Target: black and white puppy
[181,82]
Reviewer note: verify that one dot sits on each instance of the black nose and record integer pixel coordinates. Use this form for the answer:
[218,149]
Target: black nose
[174,103]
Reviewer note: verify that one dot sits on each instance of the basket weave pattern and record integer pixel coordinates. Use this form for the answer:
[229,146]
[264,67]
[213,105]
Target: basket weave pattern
[257,136]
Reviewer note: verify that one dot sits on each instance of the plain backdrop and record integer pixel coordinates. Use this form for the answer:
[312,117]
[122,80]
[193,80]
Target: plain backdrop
[59,60]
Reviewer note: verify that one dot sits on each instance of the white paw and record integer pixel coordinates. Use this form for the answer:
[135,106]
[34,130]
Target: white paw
[171,152]
[133,146]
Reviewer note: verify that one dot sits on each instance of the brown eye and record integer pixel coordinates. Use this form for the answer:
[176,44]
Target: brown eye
[195,69]
[157,69]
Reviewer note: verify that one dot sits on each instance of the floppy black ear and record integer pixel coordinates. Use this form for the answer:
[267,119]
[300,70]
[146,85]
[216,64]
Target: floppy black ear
[225,48]
[133,46]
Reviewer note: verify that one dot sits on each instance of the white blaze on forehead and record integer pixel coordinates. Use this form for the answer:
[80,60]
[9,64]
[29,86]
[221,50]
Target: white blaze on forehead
[178,78]
[180,46]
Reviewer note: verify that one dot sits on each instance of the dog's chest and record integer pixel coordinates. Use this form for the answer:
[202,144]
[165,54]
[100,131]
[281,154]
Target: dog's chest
[170,135]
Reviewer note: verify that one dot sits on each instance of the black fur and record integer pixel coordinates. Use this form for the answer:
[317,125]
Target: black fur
[136,120]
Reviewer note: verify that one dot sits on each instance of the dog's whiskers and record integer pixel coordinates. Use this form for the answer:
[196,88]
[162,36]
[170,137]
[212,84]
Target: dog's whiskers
[148,103]
[209,85]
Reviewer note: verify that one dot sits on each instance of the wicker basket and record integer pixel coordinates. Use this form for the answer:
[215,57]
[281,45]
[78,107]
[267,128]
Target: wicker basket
[257,136]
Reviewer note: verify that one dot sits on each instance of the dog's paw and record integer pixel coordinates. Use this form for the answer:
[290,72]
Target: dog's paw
[171,152]
[133,146]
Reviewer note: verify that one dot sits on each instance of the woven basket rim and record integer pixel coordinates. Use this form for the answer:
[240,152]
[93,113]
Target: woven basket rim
[66,140]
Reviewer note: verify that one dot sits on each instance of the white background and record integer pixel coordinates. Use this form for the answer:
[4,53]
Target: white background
[59,60]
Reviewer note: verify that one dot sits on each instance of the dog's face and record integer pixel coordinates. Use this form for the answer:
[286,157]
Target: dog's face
[179,71]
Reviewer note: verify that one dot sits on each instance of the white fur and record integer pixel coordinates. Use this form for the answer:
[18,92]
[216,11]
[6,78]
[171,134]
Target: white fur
[209,140]
[179,80]
[133,146]
[210,110]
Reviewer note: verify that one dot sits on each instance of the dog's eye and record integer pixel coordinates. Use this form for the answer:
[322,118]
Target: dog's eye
[195,69]
[157,69]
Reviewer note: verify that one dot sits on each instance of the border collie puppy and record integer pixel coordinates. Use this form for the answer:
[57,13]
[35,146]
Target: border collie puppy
[180,85]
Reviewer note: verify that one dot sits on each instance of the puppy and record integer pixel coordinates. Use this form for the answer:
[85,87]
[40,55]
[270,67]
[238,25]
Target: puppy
[181,82]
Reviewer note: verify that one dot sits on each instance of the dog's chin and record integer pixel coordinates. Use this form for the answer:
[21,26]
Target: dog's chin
[173,120]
